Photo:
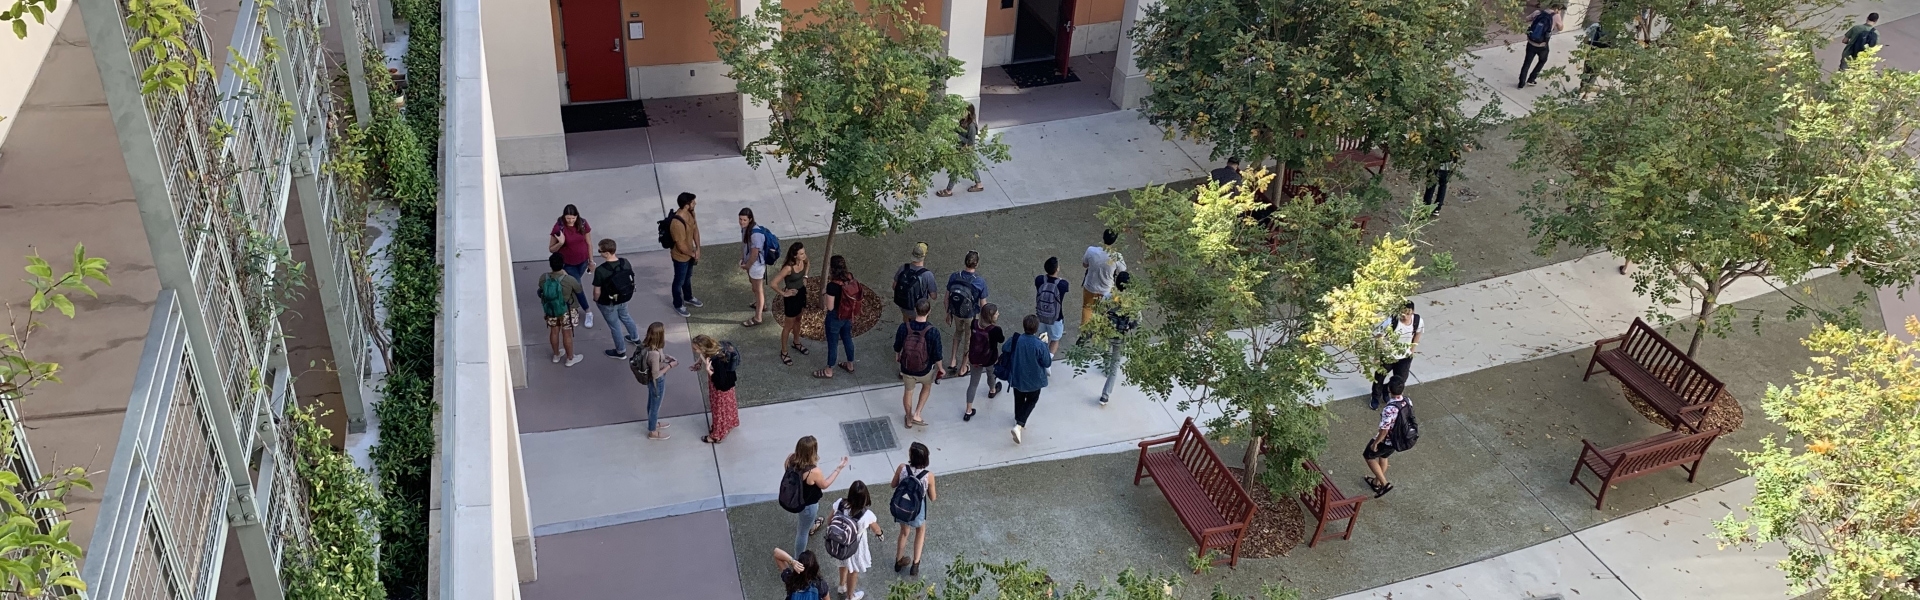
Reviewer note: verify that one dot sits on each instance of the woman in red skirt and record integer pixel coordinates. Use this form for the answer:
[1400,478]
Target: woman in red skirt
[718,360]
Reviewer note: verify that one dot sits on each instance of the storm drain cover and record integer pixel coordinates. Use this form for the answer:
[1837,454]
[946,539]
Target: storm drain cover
[869,436]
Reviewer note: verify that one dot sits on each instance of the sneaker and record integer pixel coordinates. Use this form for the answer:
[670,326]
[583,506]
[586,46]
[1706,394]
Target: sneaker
[1523,85]
[575,360]
[633,340]
[616,354]
[588,322]
[1016,433]
[682,310]
[695,302]
[556,359]
[1103,402]
[857,595]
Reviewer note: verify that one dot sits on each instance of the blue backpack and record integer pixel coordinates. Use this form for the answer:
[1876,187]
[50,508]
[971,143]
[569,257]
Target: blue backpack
[1539,30]
[770,253]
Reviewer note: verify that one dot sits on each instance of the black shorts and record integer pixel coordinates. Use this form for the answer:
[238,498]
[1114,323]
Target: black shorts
[792,306]
[1385,450]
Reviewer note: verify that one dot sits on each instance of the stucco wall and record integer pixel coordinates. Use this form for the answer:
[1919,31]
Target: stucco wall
[20,62]
[526,115]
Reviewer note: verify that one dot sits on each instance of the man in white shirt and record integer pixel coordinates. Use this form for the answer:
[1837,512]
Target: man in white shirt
[1406,328]
[1101,263]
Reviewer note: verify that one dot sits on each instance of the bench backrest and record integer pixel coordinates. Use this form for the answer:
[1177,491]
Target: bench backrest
[1223,490]
[1647,348]
[1660,456]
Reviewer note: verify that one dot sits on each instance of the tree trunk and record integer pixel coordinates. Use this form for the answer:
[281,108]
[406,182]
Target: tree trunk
[1252,459]
[1707,307]
[826,254]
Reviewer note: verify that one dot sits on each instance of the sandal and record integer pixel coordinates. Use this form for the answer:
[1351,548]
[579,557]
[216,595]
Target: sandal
[786,360]
[901,564]
[1383,490]
[817,522]
[1372,483]
[750,322]
[799,348]
[944,193]
[968,416]
[977,188]
[826,373]
[847,366]
[709,439]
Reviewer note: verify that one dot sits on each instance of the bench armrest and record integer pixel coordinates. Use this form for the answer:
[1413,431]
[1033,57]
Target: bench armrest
[1612,340]
[1145,444]
[1589,448]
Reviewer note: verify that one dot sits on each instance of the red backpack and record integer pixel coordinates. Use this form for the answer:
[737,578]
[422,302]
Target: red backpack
[913,350]
[981,350]
[849,303]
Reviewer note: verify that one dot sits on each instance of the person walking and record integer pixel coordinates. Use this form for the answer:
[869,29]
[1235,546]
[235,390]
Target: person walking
[684,229]
[753,260]
[1859,38]
[913,282]
[1540,27]
[855,507]
[1382,444]
[969,133]
[922,491]
[1049,304]
[804,464]
[800,576]
[1406,328]
[656,363]
[1028,361]
[1101,262]
[1229,174]
[556,290]
[1449,156]
[791,285]
[983,352]
[1597,38]
[841,303]
[1122,324]
[569,238]
[966,293]
[916,346]
[612,289]
[720,361]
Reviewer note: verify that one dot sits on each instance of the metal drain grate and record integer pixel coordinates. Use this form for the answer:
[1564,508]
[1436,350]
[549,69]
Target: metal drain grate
[869,436]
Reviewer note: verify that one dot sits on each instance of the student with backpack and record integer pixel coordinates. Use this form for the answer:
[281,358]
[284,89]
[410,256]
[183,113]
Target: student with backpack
[913,490]
[721,362]
[791,285]
[841,301]
[650,366]
[1399,429]
[1859,38]
[847,538]
[800,576]
[1049,300]
[556,290]
[680,233]
[1023,363]
[570,241]
[966,293]
[802,485]
[916,346]
[913,282]
[1122,324]
[983,352]
[1406,327]
[1540,27]
[612,289]
[759,249]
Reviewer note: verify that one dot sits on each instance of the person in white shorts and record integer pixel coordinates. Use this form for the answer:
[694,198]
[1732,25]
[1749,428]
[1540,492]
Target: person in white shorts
[751,260]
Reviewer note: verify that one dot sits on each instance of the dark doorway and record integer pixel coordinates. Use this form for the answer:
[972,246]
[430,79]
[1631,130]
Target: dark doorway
[1036,32]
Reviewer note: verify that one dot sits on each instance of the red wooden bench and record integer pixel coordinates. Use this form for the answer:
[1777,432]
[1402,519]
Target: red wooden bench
[1627,461]
[1371,158]
[1326,503]
[1209,500]
[1653,367]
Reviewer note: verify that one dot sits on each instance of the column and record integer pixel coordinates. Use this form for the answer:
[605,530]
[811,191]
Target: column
[965,22]
[525,90]
[755,118]
[1129,82]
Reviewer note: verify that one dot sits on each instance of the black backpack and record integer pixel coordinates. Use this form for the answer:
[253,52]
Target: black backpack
[666,230]
[961,301]
[793,494]
[908,497]
[1406,429]
[1542,27]
[908,289]
[619,283]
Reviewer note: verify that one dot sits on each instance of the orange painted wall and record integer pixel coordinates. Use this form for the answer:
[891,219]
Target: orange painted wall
[1000,21]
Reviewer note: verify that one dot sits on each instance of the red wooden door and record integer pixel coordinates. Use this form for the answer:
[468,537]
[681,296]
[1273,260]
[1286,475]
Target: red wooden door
[596,64]
[1063,44]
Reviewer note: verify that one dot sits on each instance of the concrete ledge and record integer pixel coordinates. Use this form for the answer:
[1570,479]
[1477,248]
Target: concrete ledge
[533,154]
[1127,91]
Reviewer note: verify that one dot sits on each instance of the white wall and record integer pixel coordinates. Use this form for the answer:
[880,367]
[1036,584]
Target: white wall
[526,114]
[20,63]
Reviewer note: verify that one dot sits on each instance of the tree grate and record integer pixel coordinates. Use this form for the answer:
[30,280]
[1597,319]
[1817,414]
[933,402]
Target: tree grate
[869,436]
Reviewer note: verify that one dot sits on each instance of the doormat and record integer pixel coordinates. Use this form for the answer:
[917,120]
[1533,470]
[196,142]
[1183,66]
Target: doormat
[603,116]
[1036,74]
[869,436]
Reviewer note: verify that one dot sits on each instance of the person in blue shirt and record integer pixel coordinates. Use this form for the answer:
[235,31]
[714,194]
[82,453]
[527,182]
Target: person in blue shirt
[958,322]
[1030,359]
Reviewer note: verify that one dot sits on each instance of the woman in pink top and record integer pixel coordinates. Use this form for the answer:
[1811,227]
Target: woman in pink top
[569,238]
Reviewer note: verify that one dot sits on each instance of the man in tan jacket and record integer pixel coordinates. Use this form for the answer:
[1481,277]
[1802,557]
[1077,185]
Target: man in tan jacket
[685,230]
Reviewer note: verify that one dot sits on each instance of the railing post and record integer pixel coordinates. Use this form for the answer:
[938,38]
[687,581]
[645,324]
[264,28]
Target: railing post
[348,25]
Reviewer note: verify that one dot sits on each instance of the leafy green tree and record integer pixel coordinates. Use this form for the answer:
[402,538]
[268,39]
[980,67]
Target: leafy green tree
[1287,78]
[1839,490]
[1250,319]
[859,109]
[1715,157]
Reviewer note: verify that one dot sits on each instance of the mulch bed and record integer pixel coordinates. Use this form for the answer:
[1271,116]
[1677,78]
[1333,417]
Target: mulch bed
[1278,525]
[1725,415]
[813,321]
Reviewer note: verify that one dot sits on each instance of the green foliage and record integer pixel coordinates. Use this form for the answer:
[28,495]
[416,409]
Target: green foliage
[1718,155]
[1286,78]
[859,109]
[16,16]
[163,29]
[1248,319]
[422,61]
[338,563]
[1010,580]
[1842,489]
[18,373]
[1201,563]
